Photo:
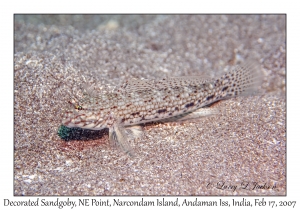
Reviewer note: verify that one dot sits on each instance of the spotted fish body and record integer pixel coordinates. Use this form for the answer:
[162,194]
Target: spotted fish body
[140,101]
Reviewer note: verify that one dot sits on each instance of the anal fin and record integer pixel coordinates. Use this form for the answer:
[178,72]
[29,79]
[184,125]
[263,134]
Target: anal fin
[202,112]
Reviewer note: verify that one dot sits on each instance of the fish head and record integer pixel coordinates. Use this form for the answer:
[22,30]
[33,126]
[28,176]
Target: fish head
[83,115]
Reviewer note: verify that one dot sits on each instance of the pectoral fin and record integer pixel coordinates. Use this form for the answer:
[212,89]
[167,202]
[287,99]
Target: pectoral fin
[118,138]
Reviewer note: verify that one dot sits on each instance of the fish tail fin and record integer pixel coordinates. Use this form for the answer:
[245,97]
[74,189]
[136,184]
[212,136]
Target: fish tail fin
[244,80]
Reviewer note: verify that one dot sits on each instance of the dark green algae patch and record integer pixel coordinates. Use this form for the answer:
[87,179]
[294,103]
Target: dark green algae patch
[69,134]
[64,132]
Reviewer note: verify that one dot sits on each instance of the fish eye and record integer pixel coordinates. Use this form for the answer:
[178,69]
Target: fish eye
[79,107]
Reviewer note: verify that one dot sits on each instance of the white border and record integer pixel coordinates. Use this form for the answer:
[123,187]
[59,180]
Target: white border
[153,6]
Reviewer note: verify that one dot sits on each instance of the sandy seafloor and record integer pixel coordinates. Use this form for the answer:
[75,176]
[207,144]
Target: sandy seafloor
[245,144]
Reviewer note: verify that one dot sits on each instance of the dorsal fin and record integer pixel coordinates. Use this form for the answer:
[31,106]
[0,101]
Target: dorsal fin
[137,85]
